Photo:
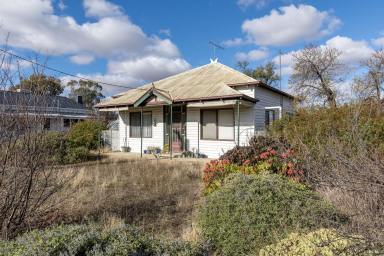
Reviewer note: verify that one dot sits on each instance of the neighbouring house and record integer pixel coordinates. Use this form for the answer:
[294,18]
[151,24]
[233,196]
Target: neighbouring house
[207,110]
[58,113]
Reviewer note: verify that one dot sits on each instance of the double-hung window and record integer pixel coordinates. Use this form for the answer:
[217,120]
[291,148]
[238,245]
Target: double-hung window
[270,116]
[135,124]
[217,124]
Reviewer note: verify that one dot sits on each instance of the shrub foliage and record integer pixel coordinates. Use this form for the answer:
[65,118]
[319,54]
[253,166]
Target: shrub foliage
[93,240]
[252,211]
[325,242]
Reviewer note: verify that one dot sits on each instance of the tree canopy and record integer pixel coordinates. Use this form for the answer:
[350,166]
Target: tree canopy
[316,74]
[265,73]
[89,91]
[40,84]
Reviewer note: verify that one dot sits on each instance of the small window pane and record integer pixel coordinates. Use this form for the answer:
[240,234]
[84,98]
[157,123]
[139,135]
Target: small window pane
[269,117]
[226,124]
[147,124]
[209,129]
[135,123]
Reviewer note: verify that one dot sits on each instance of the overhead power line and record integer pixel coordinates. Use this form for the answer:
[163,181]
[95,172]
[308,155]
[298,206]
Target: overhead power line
[62,72]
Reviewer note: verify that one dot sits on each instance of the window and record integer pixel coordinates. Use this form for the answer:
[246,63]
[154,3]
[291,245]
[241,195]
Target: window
[217,124]
[270,116]
[208,124]
[47,124]
[134,124]
[67,123]
[226,124]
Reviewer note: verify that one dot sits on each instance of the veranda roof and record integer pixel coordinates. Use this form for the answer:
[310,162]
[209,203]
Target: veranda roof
[203,83]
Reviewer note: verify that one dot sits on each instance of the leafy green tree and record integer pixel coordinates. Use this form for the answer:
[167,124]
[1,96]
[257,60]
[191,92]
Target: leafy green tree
[40,84]
[265,73]
[89,91]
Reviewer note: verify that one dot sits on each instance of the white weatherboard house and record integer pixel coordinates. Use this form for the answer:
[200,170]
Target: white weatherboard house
[208,110]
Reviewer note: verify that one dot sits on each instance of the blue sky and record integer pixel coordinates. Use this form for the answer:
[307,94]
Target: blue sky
[131,42]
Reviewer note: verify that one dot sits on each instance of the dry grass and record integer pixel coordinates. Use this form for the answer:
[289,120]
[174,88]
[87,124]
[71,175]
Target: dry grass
[157,196]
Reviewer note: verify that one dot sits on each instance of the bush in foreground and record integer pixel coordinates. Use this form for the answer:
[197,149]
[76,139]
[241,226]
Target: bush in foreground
[252,211]
[322,242]
[93,240]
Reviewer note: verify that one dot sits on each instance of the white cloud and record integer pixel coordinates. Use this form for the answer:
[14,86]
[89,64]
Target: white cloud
[82,59]
[247,3]
[287,62]
[148,68]
[235,42]
[252,55]
[101,8]
[165,32]
[61,5]
[290,24]
[352,51]
[379,42]
[34,25]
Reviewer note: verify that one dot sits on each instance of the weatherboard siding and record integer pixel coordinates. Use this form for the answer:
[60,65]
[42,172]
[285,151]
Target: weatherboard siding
[135,143]
[215,148]
[267,98]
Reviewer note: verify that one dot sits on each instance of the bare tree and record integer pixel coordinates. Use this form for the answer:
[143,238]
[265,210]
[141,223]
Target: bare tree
[371,83]
[28,179]
[316,72]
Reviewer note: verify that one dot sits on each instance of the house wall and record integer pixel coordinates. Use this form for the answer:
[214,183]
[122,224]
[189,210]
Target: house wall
[252,119]
[266,98]
[134,143]
[56,124]
[215,148]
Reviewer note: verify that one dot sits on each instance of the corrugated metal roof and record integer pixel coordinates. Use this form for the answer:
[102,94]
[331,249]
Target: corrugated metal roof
[207,81]
[32,100]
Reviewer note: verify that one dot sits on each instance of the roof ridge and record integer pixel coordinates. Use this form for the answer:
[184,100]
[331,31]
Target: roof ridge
[234,70]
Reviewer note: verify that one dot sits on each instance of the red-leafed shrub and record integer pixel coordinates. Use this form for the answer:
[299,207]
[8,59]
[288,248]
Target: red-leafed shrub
[264,155]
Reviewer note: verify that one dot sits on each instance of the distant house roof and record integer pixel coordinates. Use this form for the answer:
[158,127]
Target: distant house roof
[59,105]
[208,82]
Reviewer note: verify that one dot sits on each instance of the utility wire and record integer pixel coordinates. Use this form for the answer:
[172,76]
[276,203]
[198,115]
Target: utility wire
[62,72]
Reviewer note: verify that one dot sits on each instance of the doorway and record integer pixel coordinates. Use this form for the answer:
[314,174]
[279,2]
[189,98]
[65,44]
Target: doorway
[178,128]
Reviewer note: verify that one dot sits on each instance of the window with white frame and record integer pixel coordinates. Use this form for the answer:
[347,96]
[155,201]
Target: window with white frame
[135,123]
[270,116]
[217,124]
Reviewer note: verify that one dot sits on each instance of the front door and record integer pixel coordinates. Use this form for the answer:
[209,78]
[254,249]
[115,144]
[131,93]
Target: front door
[178,128]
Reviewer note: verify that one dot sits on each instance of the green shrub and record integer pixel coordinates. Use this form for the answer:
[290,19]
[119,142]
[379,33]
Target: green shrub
[93,240]
[252,211]
[322,242]
[85,134]
[76,154]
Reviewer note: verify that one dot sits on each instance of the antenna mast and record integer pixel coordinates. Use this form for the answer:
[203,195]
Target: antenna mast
[280,66]
[214,46]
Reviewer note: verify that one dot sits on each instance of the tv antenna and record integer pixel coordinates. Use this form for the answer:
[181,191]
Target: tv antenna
[214,46]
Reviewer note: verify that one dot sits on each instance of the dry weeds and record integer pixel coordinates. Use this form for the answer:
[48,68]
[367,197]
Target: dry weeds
[157,196]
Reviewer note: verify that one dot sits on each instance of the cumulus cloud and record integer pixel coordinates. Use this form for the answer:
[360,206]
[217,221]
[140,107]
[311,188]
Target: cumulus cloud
[247,3]
[148,68]
[352,52]
[290,24]
[252,55]
[82,59]
[34,25]
[101,8]
[235,42]
[379,42]
[165,32]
